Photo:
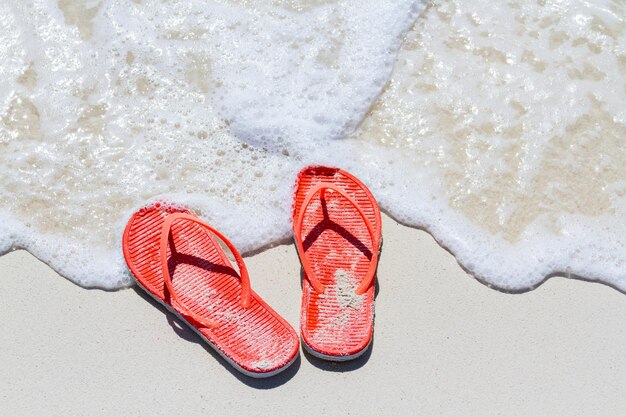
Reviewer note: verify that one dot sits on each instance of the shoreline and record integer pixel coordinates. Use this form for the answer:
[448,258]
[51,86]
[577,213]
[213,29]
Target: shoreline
[445,344]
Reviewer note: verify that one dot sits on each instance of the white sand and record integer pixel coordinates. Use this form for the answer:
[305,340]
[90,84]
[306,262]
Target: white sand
[444,345]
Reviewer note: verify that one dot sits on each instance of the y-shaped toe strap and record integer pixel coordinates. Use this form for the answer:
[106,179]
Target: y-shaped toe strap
[245,279]
[317,285]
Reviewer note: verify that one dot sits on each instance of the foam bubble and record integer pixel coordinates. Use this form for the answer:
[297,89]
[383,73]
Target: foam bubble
[507,122]
[107,105]
[500,130]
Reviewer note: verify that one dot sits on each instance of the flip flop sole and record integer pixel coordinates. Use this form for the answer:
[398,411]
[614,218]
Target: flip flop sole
[255,340]
[338,324]
[332,358]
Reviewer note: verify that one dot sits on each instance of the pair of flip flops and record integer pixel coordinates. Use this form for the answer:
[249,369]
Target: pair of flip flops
[179,261]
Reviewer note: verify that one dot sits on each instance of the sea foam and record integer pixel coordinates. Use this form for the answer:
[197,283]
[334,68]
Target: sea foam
[499,129]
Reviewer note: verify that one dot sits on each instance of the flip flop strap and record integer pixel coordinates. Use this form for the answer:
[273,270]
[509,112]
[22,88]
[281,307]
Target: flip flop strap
[245,279]
[317,285]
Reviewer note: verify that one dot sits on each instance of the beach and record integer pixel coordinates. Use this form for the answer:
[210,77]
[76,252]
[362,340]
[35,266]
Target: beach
[491,135]
[444,345]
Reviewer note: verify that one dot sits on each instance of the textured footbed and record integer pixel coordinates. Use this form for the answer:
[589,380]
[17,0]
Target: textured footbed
[336,241]
[255,339]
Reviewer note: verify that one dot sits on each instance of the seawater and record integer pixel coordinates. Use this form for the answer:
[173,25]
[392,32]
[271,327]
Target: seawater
[499,127]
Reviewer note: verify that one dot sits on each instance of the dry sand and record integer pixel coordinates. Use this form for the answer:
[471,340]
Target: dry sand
[444,345]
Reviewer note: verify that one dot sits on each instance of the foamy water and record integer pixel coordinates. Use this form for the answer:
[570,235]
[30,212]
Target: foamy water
[500,127]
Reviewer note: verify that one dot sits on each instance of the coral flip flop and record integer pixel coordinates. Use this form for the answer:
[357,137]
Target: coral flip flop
[176,258]
[337,231]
